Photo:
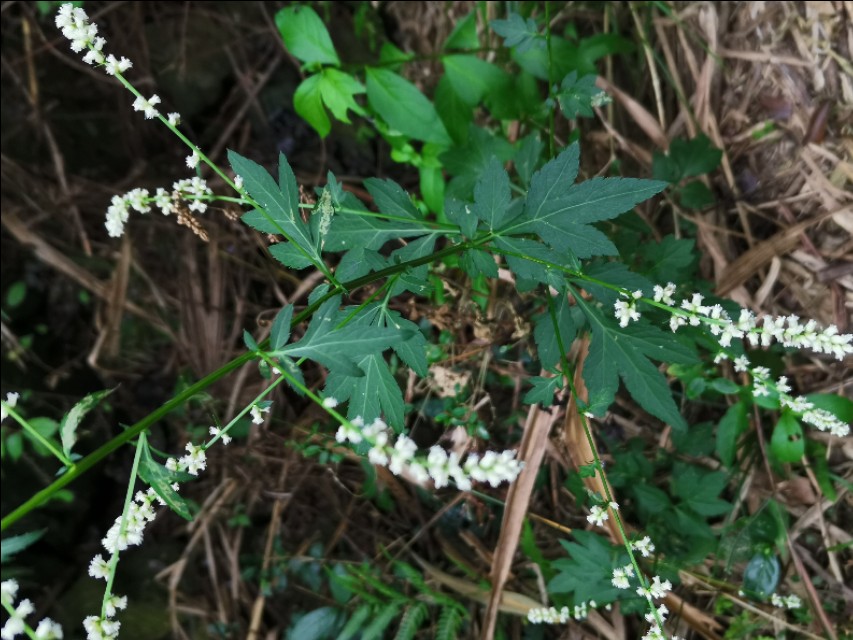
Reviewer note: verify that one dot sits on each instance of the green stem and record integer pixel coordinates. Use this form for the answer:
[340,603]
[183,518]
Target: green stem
[132,432]
[35,435]
[96,456]
[122,527]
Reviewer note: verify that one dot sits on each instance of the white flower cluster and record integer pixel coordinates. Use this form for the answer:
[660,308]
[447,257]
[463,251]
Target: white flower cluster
[764,331]
[786,602]
[626,311]
[401,457]
[192,190]
[258,412]
[622,575]
[10,403]
[598,514]
[785,330]
[656,590]
[47,629]
[644,545]
[139,513]
[763,385]
[75,25]
[552,615]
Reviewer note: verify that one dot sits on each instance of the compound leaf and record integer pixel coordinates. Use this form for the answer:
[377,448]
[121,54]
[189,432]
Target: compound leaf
[616,352]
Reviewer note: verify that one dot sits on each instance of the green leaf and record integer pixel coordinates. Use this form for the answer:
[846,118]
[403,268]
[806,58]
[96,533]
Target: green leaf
[624,353]
[412,351]
[280,202]
[527,157]
[404,107]
[471,77]
[161,480]
[280,330]
[546,333]
[561,213]
[14,444]
[696,441]
[71,420]
[380,622]
[350,230]
[695,195]
[372,395]
[588,570]
[468,161]
[319,624]
[338,89]
[531,271]
[9,547]
[454,113]
[308,103]
[519,33]
[290,255]
[543,390]
[685,159]
[699,489]
[761,576]
[16,293]
[462,214]
[305,35]
[730,428]
[356,623]
[392,56]
[492,195]
[449,621]
[249,341]
[359,262]
[337,348]
[787,444]
[670,260]
[464,34]
[650,499]
[391,199]
[576,95]
[432,187]
[412,620]
[477,262]
[414,279]
[616,273]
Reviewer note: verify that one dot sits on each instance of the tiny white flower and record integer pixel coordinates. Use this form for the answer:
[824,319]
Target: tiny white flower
[598,516]
[330,402]
[257,414]
[115,67]
[192,160]
[664,294]
[217,432]
[645,546]
[11,403]
[99,568]
[174,118]
[49,630]
[195,460]
[238,182]
[148,106]
[115,604]
[8,591]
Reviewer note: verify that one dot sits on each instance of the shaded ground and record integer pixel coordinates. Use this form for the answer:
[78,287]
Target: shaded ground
[770,84]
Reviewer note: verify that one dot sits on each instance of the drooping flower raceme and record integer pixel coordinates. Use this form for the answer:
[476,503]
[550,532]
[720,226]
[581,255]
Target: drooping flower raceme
[787,331]
[400,456]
